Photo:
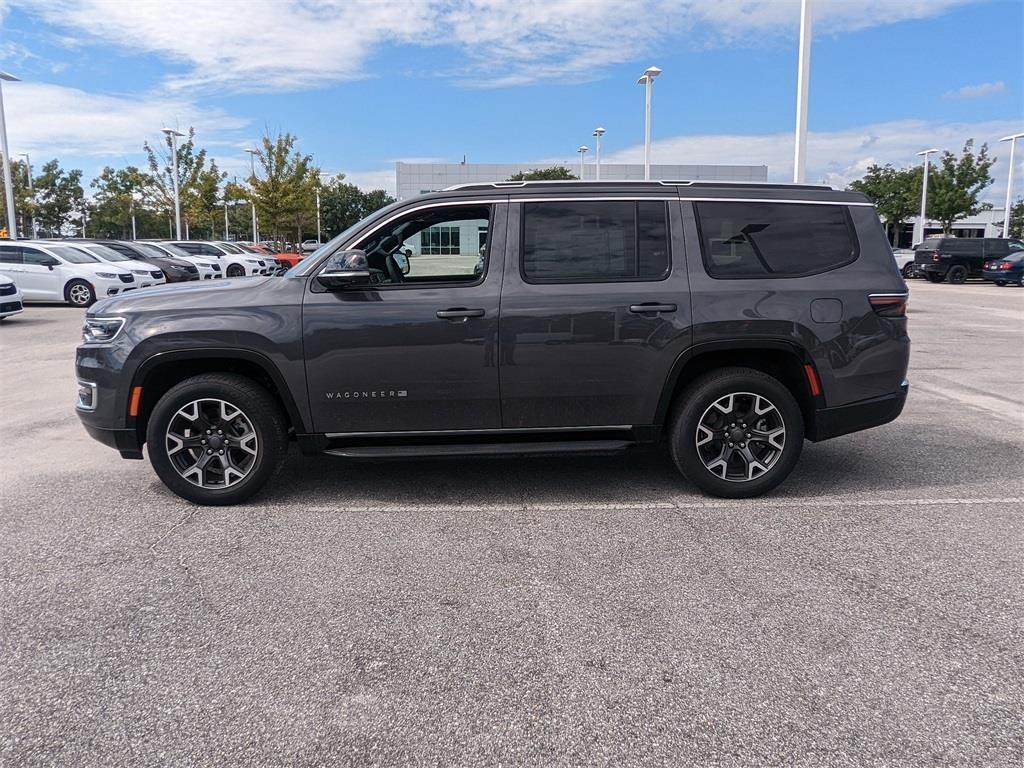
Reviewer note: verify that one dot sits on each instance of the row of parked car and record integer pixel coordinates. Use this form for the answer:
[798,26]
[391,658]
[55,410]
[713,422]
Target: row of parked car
[79,271]
[957,259]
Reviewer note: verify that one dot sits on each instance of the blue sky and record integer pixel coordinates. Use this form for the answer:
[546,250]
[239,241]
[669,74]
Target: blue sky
[364,83]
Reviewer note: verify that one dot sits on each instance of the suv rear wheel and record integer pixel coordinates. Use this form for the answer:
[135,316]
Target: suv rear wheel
[957,274]
[736,433]
[216,438]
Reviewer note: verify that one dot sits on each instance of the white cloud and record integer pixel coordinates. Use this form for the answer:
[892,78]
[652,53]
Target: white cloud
[52,120]
[836,157]
[976,91]
[370,180]
[262,45]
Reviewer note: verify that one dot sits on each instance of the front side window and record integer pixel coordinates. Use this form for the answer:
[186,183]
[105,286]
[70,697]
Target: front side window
[595,241]
[436,245]
[755,239]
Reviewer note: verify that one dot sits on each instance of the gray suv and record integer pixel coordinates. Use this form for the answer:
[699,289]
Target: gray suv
[726,321]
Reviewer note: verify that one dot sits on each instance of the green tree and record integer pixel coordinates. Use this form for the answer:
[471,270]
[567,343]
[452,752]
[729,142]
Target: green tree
[343,204]
[24,206]
[1017,219]
[239,211]
[956,184]
[60,198]
[557,173]
[198,182]
[119,194]
[285,195]
[895,193]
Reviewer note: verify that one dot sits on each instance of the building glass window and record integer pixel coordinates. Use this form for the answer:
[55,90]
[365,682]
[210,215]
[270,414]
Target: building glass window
[440,241]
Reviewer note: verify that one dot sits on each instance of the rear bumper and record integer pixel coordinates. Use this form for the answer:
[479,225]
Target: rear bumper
[1008,275]
[865,414]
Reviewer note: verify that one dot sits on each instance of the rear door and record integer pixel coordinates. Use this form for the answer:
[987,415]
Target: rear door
[594,311]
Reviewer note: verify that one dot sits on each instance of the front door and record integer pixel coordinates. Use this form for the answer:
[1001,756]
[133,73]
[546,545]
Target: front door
[416,351]
[40,279]
[594,312]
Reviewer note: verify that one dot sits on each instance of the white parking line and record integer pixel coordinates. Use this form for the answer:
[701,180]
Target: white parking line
[626,506]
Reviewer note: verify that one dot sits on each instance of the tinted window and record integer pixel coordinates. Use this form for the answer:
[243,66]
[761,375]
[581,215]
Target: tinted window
[1016,245]
[741,240]
[578,242]
[73,255]
[105,253]
[10,254]
[189,247]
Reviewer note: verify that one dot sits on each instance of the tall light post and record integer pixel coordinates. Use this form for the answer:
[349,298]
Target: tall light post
[226,228]
[647,80]
[1009,182]
[173,135]
[12,227]
[583,155]
[131,205]
[319,176]
[252,197]
[924,192]
[598,133]
[31,190]
[803,76]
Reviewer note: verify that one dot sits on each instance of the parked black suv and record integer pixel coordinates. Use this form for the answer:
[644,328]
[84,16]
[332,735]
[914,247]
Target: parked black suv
[957,258]
[729,321]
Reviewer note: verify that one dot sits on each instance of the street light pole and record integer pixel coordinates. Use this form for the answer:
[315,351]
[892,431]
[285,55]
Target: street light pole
[598,133]
[226,238]
[647,80]
[924,191]
[173,134]
[583,154]
[12,226]
[802,81]
[31,190]
[252,197]
[132,205]
[1009,182]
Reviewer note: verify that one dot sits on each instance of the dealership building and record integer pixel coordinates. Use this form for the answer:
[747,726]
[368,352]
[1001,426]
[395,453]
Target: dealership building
[413,179]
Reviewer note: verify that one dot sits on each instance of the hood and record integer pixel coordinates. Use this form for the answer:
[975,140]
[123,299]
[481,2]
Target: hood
[203,295]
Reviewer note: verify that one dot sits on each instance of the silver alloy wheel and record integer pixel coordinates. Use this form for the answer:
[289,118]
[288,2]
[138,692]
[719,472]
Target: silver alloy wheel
[79,294]
[211,443]
[740,437]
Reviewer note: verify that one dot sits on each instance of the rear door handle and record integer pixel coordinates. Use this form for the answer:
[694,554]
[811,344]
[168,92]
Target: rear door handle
[642,309]
[459,313]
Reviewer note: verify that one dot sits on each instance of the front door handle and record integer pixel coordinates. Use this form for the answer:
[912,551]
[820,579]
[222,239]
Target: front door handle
[459,313]
[642,309]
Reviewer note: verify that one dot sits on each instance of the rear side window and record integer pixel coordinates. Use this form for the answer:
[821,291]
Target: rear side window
[595,242]
[748,240]
[10,254]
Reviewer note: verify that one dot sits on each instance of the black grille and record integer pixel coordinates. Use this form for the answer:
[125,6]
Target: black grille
[127,278]
[216,267]
[10,306]
[157,273]
[8,290]
[192,270]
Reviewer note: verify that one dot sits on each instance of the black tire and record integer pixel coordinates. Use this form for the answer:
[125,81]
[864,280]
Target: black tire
[957,274]
[908,270]
[1001,283]
[699,401]
[78,293]
[257,406]
[235,270]
[934,278]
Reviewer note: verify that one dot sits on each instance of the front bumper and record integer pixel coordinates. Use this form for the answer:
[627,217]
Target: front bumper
[865,414]
[125,441]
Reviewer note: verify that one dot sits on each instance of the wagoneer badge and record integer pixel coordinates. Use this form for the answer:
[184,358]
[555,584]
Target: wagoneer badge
[364,394]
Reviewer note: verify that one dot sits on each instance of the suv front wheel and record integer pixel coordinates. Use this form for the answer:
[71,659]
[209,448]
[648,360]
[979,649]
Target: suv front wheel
[216,438]
[736,433]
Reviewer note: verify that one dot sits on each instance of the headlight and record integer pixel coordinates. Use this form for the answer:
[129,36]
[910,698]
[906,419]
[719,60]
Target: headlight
[101,329]
[107,275]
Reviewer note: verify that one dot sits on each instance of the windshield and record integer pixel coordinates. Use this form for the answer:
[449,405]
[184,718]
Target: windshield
[230,247]
[149,251]
[346,235]
[72,255]
[105,253]
[173,250]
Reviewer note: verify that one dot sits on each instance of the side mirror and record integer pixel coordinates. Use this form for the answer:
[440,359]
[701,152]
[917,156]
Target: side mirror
[402,261]
[344,269]
[50,263]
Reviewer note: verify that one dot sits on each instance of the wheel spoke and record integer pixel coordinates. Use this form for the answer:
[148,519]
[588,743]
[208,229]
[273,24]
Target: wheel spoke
[247,442]
[704,435]
[211,443]
[774,437]
[740,436]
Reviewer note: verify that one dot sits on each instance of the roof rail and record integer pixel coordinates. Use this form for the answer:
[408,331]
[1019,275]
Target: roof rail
[615,182]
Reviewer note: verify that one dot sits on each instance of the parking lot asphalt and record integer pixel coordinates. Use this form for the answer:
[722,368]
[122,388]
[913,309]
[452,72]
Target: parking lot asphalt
[578,611]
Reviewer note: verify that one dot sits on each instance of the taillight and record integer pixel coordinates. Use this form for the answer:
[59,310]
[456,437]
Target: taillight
[889,304]
[935,256]
[989,265]
[1004,265]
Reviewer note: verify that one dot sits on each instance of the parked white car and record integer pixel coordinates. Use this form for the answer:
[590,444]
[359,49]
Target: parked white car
[11,302]
[904,262]
[237,263]
[209,268]
[48,271]
[146,275]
